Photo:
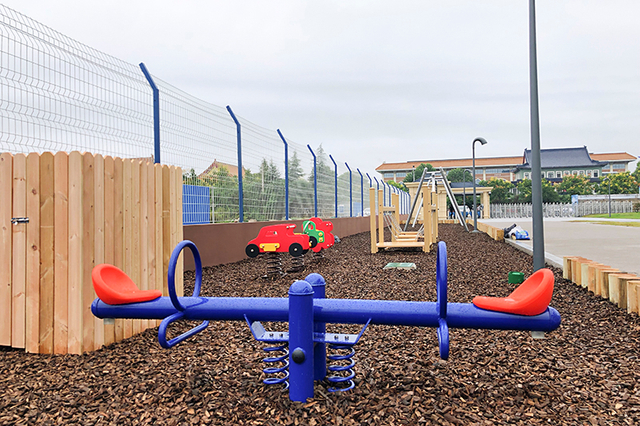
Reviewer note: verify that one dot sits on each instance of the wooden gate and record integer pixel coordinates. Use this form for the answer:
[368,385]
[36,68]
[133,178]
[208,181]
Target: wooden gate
[62,214]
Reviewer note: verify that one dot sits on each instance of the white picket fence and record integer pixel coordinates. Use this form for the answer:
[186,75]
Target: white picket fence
[584,208]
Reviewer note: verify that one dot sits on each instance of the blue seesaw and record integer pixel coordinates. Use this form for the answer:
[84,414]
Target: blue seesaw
[301,353]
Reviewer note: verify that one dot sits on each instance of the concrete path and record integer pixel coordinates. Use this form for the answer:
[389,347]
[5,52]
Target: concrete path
[617,246]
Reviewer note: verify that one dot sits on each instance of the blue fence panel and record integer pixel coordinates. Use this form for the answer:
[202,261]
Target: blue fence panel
[196,204]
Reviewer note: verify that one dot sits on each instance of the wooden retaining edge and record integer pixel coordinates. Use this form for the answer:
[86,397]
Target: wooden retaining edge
[632,296]
[602,280]
[495,233]
[618,288]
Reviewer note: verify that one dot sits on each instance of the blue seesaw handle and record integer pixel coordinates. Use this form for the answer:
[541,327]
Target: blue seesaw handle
[175,300]
[441,303]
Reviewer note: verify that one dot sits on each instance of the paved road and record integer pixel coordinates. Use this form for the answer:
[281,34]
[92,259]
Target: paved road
[617,246]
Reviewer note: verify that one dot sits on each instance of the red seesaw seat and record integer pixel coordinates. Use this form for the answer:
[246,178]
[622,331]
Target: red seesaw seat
[114,287]
[530,298]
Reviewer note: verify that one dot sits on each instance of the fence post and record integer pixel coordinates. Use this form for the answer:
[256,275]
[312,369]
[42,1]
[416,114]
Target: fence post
[315,183]
[286,175]
[156,113]
[350,191]
[370,185]
[240,191]
[361,193]
[335,188]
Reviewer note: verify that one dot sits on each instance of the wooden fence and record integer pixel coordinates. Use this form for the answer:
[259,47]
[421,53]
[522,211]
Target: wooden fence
[82,210]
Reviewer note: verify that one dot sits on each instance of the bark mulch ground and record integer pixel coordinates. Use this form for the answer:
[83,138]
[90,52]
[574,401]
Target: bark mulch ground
[586,372]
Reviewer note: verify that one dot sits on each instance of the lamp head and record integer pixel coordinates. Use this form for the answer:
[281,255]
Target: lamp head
[481,140]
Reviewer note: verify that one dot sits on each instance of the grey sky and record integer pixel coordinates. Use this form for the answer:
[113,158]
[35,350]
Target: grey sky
[378,81]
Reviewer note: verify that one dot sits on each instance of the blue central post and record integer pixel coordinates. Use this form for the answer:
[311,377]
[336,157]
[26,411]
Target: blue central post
[240,191]
[361,193]
[335,167]
[350,191]
[156,113]
[315,183]
[301,354]
[319,348]
[286,175]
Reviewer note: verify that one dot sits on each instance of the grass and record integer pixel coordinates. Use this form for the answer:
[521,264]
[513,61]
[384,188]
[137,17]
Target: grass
[617,215]
[610,222]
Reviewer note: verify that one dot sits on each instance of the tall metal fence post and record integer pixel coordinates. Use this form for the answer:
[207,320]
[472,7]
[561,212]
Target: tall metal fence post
[315,183]
[335,188]
[286,175]
[156,113]
[350,191]
[240,191]
[361,193]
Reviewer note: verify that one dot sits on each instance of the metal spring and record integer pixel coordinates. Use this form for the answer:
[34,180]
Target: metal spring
[318,255]
[283,358]
[297,264]
[345,381]
[274,265]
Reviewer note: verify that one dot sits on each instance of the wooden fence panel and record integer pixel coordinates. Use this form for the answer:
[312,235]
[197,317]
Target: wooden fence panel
[98,235]
[88,247]
[109,231]
[82,210]
[47,252]
[19,242]
[135,235]
[61,247]
[118,235]
[75,332]
[6,189]
[32,296]
[143,282]
[128,232]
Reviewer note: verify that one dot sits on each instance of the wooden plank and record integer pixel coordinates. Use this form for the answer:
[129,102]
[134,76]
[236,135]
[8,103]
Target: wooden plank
[88,249]
[151,232]
[135,232]
[98,243]
[389,244]
[603,280]
[428,236]
[6,195]
[47,252]
[166,226]
[19,254]
[632,296]
[636,290]
[118,232]
[618,284]
[127,166]
[74,304]
[566,267]
[109,231]
[598,283]
[143,282]
[179,231]
[173,227]
[380,216]
[32,324]
[61,255]
[372,219]
[158,257]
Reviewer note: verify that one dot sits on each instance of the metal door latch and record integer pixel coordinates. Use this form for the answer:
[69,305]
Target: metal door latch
[17,220]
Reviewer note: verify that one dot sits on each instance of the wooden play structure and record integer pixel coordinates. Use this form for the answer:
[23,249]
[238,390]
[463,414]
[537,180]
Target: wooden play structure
[60,215]
[389,216]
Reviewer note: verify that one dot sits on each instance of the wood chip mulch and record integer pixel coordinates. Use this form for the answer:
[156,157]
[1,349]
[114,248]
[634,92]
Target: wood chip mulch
[584,373]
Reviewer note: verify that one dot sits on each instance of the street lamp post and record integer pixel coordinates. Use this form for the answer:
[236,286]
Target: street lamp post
[475,209]
[464,191]
[609,182]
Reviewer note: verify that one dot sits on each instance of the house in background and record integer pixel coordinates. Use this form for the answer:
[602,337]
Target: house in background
[232,169]
[511,168]
[558,162]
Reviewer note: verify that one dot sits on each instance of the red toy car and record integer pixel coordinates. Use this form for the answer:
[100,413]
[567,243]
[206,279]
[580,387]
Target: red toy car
[319,233]
[278,238]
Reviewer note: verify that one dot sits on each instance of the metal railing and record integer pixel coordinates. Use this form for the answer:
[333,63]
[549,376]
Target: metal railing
[584,208]
[57,94]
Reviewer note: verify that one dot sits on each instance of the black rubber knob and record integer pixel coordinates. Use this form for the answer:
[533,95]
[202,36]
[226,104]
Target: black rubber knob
[298,356]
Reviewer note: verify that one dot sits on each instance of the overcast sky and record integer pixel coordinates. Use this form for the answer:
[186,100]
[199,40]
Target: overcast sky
[376,81]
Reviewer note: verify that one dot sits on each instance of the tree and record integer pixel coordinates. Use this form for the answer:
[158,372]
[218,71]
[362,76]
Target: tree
[295,170]
[621,183]
[457,175]
[636,174]
[501,192]
[417,173]
[398,185]
[574,185]
[549,194]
